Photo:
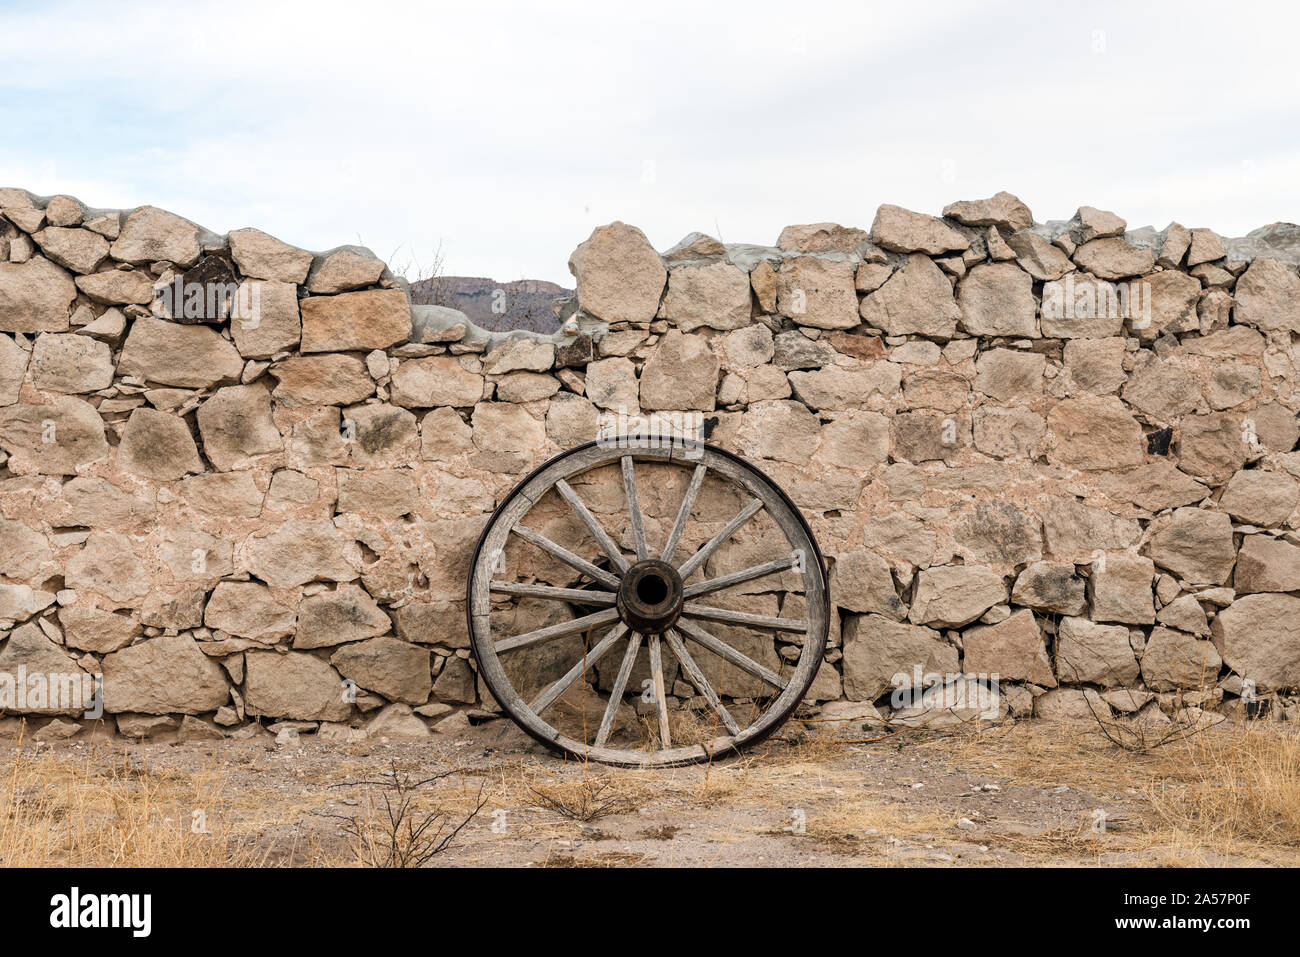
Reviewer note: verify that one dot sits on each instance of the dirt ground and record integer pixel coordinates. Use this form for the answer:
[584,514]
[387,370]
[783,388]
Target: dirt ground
[1011,794]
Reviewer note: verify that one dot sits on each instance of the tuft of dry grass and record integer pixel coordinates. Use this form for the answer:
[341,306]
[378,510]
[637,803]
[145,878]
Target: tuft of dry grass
[60,812]
[586,799]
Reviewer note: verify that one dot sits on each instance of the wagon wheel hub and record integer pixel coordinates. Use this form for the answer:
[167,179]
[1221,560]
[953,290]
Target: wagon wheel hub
[650,597]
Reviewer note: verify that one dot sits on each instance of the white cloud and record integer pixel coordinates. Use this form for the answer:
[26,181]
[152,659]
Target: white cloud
[508,131]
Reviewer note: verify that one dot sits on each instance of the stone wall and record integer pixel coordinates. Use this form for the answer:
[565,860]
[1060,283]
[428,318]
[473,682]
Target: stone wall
[1060,453]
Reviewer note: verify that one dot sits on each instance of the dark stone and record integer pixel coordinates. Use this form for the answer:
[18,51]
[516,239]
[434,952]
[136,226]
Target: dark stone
[1158,441]
[577,352]
[214,276]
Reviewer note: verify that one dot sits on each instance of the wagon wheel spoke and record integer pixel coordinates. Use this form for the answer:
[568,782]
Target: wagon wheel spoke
[743,618]
[560,629]
[701,683]
[661,697]
[724,650]
[566,556]
[744,575]
[688,502]
[528,590]
[597,531]
[588,661]
[717,541]
[616,693]
[634,508]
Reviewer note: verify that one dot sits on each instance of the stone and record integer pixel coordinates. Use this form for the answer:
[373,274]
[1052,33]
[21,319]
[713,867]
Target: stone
[66,688]
[108,566]
[289,486]
[300,551]
[435,381]
[20,602]
[382,434]
[904,231]
[1173,661]
[167,353]
[163,675]
[1094,432]
[260,256]
[79,250]
[927,437]
[746,348]
[1096,365]
[819,293]
[339,616]
[1076,532]
[915,300]
[236,426]
[109,327]
[612,384]
[1163,389]
[1177,240]
[1013,650]
[1154,486]
[1005,374]
[715,295]
[373,319]
[1259,639]
[1196,545]
[249,610]
[1001,209]
[388,666]
[274,326]
[854,440]
[71,363]
[1172,297]
[1266,565]
[876,649]
[294,685]
[23,551]
[999,533]
[1097,223]
[1083,307]
[871,276]
[1267,297]
[118,287]
[821,238]
[681,373]
[397,721]
[1008,433]
[1113,258]
[1038,257]
[35,296]
[1186,614]
[794,350]
[848,386]
[344,270]
[63,211]
[620,276]
[520,353]
[325,380]
[433,623]
[1071,706]
[1257,497]
[224,494]
[1232,383]
[140,726]
[59,438]
[152,235]
[504,427]
[949,596]
[391,493]
[1213,447]
[13,369]
[860,581]
[786,431]
[997,299]
[762,279]
[158,446]
[1205,247]
[1051,586]
[1088,653]
[1120,589]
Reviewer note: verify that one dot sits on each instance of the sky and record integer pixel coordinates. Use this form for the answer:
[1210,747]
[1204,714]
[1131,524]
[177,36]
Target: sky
[501,134]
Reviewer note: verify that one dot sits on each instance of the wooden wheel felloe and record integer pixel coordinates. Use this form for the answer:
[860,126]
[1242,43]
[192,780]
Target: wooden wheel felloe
[647,606]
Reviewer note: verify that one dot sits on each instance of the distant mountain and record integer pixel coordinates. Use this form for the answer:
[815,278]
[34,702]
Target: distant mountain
[498,306]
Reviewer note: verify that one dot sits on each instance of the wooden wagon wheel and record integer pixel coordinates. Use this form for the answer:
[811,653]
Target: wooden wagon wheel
[693,549]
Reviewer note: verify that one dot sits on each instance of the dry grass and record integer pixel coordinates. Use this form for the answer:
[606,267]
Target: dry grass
[55,811]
